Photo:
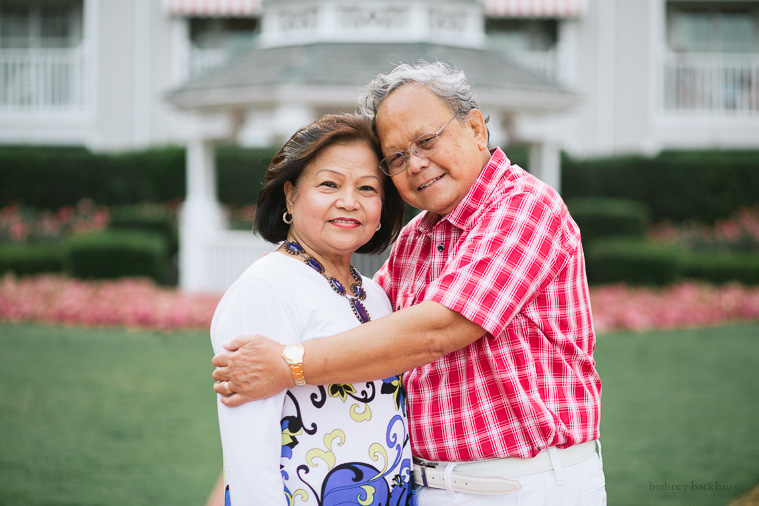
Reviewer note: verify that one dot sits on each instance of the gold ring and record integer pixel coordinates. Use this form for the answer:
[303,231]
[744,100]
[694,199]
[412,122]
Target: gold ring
[226,387]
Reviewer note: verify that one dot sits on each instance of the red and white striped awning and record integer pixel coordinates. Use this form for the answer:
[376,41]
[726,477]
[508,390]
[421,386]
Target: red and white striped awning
[218,8]
[534,8]
[495,8]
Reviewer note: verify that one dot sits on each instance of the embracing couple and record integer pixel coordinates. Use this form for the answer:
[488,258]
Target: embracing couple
[463,373]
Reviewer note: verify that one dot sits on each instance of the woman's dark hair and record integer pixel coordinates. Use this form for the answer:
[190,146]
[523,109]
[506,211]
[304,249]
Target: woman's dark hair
[298,152]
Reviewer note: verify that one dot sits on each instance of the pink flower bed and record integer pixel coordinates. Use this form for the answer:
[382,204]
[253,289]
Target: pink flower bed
[139,303]
[617,307]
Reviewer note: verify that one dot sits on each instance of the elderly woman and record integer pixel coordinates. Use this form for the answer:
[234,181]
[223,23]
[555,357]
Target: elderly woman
[324,199]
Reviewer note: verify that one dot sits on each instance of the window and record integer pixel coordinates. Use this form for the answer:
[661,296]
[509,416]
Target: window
[42,64]
[716,28]
[44,24]
[712,59]
[228,34]
[531,43]
[523,34]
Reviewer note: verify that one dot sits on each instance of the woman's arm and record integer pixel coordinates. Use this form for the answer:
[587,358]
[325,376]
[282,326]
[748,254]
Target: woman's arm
[251,436]
[390,345]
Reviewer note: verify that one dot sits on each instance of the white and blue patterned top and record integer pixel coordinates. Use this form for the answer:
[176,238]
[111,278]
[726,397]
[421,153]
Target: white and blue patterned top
[314,445]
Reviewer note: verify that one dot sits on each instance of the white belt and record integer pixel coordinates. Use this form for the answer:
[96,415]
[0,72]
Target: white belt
[492,476]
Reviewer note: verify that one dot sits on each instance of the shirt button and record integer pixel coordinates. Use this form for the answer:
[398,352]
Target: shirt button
[440,248]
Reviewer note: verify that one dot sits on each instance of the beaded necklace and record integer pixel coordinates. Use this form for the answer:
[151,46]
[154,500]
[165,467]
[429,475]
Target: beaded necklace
[358,293]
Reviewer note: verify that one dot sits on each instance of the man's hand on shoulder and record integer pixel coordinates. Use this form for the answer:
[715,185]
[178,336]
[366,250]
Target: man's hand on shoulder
[251,369]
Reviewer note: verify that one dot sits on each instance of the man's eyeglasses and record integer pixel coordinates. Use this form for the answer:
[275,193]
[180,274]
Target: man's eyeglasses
[423,147]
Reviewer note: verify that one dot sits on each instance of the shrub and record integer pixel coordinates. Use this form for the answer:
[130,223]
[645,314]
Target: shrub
[72,174]
[118,253]
[240,173]
[600,218]
[687,185]
[154,175]
[24,259]
[152,218]
[631,261]
[722,267]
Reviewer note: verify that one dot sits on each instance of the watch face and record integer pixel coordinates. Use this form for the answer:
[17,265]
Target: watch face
[294,353]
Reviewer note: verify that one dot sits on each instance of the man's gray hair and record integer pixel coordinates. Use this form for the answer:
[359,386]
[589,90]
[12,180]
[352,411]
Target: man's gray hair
[447,82]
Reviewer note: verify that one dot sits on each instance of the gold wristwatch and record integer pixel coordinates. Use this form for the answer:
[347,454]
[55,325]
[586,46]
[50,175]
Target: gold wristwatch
[293,355]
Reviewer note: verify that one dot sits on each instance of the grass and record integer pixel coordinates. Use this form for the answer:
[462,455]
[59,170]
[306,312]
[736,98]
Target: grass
[113,417]
[679,409]
[105,417]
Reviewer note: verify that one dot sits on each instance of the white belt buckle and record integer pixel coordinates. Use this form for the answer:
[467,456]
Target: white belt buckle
[478,485]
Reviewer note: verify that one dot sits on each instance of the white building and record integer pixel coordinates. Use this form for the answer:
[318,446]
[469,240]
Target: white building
[592,77]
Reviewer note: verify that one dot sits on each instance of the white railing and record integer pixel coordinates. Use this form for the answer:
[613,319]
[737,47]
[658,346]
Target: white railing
[544,63]
[711,82]
[35,80]
[230,252]
[203,60]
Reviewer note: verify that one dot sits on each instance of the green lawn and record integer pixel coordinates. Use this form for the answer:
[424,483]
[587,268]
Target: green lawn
[111,417]
[106,417]
[679,409]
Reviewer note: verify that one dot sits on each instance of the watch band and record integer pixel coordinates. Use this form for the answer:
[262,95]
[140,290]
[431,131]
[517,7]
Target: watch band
[293,355]
[298,376]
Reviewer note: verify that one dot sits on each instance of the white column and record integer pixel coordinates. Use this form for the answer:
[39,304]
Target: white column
[498,136]
[545,163]
[201,215]
[288,117]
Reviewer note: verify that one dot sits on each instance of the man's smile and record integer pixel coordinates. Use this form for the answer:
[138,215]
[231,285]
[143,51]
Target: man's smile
[428,183]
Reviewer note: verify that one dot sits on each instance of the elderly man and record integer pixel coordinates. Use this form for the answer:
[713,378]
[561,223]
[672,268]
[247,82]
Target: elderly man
[492,322]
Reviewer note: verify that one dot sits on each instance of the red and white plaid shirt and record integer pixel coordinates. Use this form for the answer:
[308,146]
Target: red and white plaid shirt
[508,258]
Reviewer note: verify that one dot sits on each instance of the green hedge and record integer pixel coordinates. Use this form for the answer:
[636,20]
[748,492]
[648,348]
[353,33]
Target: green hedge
[631,261]
[600,218]
[693,185]
[51,178]
[722,267]
[30,258]
[149,218]
[638,262]
[240,173]
[119,253]
[155,175]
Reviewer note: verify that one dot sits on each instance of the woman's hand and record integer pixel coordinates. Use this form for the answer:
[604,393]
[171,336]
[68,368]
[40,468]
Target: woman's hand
[254,368]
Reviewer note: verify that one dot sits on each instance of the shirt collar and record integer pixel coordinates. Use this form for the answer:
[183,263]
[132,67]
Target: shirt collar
[475,198]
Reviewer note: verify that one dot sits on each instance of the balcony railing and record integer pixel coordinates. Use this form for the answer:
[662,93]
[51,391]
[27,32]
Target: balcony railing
[42,80]
[203,60]
[711,83]
[544,63]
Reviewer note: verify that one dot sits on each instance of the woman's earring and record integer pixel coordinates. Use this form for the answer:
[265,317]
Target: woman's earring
[284,218]
[378,227]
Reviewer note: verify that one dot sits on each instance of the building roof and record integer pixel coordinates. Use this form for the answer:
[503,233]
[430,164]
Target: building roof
[332,74]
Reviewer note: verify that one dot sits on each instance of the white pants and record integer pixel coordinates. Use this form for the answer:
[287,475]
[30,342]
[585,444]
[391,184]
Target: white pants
[580,484]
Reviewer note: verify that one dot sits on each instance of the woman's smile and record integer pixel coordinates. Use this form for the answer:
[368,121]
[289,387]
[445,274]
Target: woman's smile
[346,222]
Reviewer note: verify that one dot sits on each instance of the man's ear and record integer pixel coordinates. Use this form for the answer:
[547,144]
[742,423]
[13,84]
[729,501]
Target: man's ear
[476,122]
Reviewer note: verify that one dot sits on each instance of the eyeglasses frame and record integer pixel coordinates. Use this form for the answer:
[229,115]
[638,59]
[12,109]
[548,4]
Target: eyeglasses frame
[406,154]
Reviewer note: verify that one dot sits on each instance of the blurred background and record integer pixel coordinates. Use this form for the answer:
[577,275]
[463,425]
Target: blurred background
[134,136]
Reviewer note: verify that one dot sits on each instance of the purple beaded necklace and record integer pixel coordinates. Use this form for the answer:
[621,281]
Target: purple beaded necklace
[358,293]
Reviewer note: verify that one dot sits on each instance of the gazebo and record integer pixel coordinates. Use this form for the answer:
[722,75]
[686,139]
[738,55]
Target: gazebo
[312,58]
